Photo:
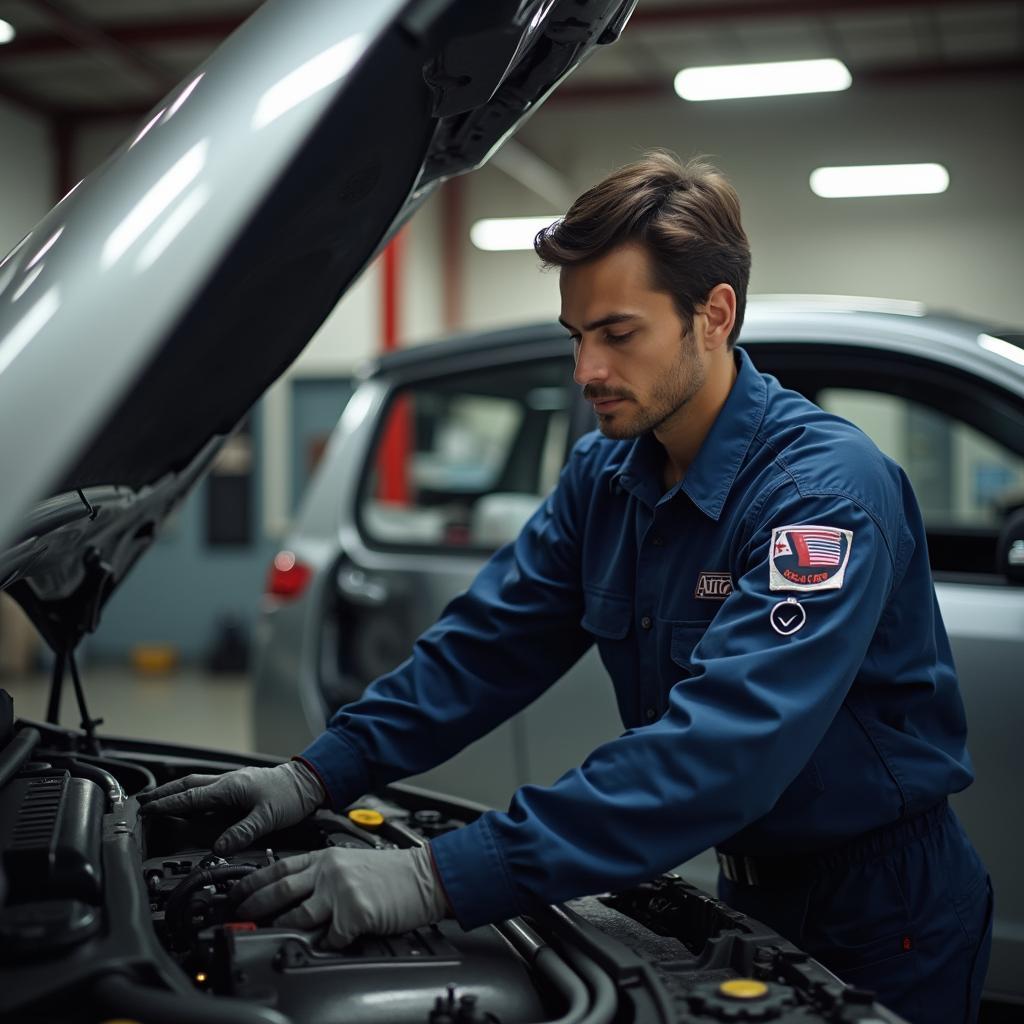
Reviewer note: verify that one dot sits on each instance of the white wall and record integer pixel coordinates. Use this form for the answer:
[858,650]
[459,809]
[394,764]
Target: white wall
[962,250]
[27,181]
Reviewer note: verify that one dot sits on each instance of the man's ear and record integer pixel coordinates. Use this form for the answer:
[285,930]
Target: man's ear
[720,313]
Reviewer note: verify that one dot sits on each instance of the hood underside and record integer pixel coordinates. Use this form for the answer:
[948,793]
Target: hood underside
[143,317]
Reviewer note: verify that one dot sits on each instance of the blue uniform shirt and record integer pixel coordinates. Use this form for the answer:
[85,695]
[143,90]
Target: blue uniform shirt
[771,629]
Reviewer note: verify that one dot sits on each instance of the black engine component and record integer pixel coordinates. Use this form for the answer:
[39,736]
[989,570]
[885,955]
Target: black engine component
[103,909]
[51,862]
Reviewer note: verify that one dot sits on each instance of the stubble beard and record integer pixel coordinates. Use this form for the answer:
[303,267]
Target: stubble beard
[669,395]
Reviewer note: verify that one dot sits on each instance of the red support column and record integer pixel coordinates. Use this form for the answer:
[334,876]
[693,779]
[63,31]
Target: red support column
[396,444]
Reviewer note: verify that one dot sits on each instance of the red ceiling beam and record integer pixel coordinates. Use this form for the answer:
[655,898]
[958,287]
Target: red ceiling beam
[661,17]
[214,29]
[209,30]
[598,92]
[90,37]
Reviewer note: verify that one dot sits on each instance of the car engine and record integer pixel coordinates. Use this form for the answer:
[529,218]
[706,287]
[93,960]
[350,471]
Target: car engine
[106,915]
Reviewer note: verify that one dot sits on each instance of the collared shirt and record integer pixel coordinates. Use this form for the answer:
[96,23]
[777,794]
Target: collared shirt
[771,630]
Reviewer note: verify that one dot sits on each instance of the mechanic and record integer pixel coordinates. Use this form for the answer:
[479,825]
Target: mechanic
[755,574]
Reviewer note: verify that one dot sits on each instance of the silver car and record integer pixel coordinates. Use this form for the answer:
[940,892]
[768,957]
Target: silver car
[444,450]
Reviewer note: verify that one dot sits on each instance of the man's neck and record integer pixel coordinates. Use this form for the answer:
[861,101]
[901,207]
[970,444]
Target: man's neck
[683,435]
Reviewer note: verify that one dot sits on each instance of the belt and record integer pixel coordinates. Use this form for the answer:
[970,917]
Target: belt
[778,871]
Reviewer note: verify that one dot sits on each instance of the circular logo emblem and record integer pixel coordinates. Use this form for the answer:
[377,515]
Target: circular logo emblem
[787,616]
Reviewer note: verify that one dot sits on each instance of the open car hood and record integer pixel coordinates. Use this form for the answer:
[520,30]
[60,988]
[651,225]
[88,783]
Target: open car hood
[143,317]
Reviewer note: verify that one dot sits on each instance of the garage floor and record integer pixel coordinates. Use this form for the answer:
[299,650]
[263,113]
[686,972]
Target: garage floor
[187,706]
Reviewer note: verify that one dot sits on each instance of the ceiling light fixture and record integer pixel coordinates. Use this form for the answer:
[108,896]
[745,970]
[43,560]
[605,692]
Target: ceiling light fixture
[7,32]
[780,78]
[503,234]
[879,180]
[1002,348]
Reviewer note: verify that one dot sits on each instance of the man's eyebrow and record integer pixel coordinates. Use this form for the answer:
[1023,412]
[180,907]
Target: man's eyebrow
[605,321]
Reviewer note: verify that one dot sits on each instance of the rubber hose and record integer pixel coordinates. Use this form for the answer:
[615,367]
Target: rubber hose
[176,908]
[606,1001]
[131,766]
[17,752]
[542,957]
[121,997]
[94,773]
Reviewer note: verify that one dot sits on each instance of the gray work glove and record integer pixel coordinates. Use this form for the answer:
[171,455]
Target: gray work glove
[360,892]
[273,797]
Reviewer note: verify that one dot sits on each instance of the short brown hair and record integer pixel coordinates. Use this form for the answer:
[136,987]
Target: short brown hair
[686,215]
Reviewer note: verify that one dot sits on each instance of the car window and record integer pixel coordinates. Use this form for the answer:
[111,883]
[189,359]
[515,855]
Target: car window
[962,478]
[462,461]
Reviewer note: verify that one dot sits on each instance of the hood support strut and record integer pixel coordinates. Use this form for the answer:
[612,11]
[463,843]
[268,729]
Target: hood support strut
[62,624]
[87,724]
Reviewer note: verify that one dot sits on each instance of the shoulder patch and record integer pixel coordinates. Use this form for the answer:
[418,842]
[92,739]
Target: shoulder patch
[809,557]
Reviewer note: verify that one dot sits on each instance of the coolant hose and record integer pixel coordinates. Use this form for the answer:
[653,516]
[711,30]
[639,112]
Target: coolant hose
[16,753]
[606,1001]
[545,960]
[176,909]
[93,772]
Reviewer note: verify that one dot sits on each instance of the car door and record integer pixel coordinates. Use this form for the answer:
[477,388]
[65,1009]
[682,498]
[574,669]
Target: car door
[960,439]
[463,455]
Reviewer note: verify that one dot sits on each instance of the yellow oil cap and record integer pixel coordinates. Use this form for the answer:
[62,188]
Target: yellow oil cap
[743,988]
[365,817]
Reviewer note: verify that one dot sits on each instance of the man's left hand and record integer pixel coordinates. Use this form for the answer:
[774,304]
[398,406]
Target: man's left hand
[359,892]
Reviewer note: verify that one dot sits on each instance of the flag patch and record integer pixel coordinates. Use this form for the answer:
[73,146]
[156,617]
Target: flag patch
[809,557]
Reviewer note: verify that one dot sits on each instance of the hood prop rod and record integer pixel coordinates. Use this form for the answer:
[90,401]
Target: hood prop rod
[87,724]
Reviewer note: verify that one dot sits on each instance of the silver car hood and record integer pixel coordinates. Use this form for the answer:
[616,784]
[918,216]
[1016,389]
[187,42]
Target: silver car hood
[146,313]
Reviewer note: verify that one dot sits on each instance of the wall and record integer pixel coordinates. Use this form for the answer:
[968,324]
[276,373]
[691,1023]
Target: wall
[26,173]
[961,250]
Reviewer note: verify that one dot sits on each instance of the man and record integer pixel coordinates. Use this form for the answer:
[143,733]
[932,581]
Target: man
[755,574]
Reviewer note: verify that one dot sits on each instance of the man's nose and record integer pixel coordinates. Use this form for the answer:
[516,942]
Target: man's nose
[590,365]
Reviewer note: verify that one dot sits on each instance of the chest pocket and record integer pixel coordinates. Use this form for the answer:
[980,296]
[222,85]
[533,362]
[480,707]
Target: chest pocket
[607,616]
[685,636]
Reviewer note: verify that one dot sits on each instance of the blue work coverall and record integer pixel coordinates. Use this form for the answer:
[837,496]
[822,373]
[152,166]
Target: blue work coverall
[785,682]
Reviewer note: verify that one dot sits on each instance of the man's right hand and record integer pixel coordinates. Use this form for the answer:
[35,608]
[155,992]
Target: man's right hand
[273,797]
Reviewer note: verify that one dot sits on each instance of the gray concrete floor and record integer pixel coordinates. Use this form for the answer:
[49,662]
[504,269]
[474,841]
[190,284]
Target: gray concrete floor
[185,706]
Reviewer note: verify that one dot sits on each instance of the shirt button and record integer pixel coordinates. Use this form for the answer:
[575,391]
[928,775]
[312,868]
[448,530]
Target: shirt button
[657,540]
[650,714]
[645,622]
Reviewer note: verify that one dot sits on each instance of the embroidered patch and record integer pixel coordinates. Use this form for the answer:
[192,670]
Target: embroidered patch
[714,586]
[809,557]
[787,616]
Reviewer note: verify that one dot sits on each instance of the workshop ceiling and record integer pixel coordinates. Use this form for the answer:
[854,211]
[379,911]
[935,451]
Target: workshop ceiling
[82,59]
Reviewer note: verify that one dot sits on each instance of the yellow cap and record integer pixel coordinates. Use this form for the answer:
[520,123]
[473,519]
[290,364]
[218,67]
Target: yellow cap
[743,988]
[365,817]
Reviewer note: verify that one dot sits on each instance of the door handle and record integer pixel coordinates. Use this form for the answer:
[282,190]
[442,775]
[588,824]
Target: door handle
[357,587]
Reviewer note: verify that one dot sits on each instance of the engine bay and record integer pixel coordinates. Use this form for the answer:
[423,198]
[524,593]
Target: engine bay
[111,915]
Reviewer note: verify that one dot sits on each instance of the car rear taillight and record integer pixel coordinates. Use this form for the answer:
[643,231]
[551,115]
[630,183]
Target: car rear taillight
[288,576]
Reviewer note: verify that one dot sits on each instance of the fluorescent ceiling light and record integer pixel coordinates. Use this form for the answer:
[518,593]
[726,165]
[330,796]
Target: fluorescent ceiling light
[501,234]
[879,180]
[781,78]
[1002,348]
[7,32]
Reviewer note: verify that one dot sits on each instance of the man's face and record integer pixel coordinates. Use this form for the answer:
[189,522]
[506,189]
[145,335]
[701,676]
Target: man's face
[634,360]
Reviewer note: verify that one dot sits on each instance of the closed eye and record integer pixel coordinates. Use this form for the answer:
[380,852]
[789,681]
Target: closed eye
[620,337]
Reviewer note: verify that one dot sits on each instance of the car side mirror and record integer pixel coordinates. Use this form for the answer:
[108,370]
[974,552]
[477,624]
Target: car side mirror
[1010,549]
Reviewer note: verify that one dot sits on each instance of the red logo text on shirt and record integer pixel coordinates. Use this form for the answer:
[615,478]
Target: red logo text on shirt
[713,586]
